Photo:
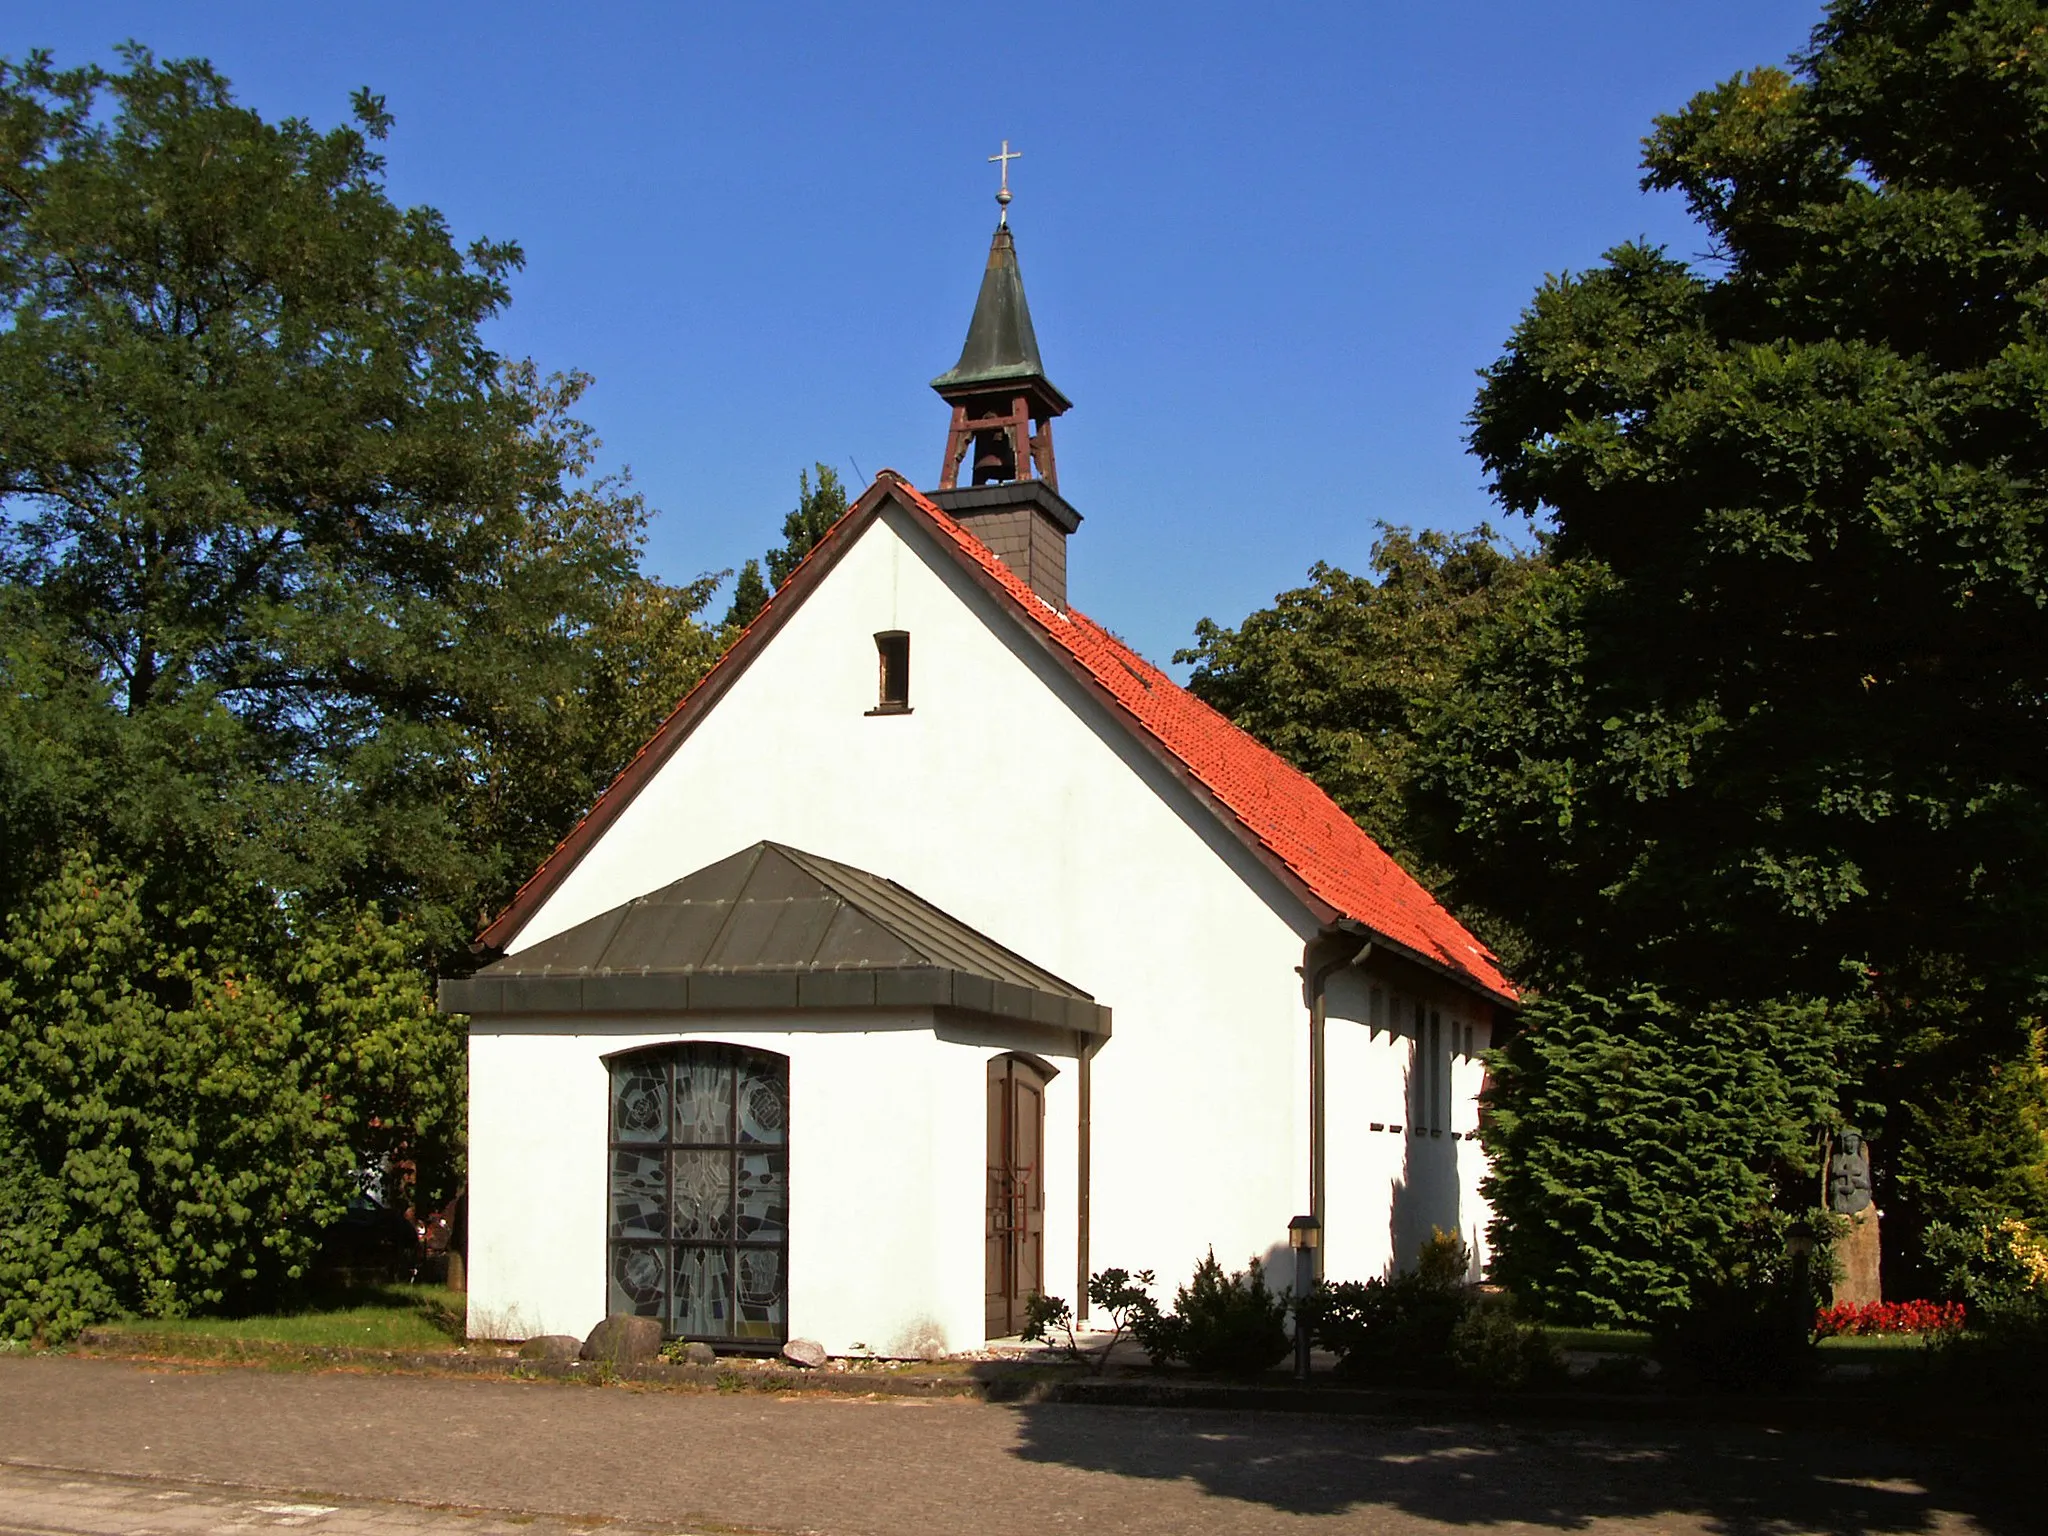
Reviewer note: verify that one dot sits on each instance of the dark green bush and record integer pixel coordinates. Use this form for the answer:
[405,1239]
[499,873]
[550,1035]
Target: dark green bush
[1636,1138]
[1222,1325]
[2000,1357]
[1998,1268]
[1749,1325]
[1740,1338]
[1989,1263]
[1491,1345]
[1432,1324]
[1397,1326]
[175,1129]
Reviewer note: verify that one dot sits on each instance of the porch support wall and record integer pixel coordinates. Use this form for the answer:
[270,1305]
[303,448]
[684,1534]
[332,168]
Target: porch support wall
[887,1189]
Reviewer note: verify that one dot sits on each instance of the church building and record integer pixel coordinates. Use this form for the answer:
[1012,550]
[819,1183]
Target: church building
[939,949]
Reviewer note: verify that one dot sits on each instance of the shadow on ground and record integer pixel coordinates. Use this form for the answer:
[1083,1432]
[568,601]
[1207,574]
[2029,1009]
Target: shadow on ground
[1745,1482]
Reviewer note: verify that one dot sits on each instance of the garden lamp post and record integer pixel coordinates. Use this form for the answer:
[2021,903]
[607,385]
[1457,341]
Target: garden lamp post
[1304,1235]
[1799,1245]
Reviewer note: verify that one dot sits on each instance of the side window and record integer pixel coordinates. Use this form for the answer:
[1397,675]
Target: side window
[1418,1069]
[892,656]
[1439,1074]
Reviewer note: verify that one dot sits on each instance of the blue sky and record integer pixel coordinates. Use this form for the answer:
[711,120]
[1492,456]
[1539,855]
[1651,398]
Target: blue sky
[1266,246]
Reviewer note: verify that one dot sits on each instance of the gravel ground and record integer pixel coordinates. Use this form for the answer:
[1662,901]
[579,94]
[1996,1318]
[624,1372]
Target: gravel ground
[704,1461]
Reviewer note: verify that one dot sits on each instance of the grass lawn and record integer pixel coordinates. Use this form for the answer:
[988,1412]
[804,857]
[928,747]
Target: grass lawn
[1884,1347]
[415,1317]
[1618,1341]
[1879,1348]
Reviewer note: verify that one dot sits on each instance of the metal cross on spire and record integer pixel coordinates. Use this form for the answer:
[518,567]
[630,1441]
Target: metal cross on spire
[1003,194]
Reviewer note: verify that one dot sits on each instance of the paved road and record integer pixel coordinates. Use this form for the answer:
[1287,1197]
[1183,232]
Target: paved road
[432,1450]
[38,1503]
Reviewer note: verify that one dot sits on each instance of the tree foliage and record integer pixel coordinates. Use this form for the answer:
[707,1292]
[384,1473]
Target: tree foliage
[326,558]
[1785,706]
[749,597]
[1803,483]
[817,509]
[1342,676]
[166,1141]
[318,628]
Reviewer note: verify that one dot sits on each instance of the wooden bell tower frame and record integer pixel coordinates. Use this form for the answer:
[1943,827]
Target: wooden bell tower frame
[1008,430]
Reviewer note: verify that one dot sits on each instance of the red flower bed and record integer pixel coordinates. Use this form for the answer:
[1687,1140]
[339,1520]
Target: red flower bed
[1849,1317]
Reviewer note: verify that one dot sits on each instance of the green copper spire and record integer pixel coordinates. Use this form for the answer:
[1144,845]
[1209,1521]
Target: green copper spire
[1001,346]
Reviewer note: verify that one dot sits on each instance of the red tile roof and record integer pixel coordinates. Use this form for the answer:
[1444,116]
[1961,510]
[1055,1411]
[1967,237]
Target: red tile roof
[1282,807]
[1276,805]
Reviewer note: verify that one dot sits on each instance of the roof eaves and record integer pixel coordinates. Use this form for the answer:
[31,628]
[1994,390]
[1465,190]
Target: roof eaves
[1324,912]
[1357,929]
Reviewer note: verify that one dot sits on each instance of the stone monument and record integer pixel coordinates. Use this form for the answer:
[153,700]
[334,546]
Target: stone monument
[1856,1250]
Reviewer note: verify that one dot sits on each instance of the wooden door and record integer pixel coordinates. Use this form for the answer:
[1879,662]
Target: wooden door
[1014,1231]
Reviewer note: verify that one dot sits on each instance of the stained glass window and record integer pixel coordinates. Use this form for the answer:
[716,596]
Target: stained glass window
[699,1191]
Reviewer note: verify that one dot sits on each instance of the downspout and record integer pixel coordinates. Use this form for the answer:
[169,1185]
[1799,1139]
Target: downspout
[1089,1045]
[1318,1093]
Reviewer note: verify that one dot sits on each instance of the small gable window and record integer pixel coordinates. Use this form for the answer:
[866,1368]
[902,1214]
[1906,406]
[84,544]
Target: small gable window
[892,654]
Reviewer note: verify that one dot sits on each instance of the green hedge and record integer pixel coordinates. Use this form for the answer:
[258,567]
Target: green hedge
[1644,1151]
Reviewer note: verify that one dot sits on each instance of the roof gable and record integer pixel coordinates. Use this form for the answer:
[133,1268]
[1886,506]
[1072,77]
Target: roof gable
[1339,873]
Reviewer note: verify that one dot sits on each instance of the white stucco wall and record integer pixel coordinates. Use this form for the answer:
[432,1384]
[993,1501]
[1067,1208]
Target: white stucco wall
[1009,798]
[1391,1182]
[885,1174]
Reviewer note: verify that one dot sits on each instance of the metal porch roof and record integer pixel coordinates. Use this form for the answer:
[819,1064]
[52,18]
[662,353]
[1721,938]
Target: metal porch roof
[773,927]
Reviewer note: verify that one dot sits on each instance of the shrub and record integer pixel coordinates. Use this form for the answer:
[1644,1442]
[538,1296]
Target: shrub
[1993,1263]
[1224,1325]
[2001,1357]
[1749,1324]
[1492,1346]
[1125,1298]
[164,1141]
[177,1123]
[1634,1138]
[1740,1335]
[1398,1325]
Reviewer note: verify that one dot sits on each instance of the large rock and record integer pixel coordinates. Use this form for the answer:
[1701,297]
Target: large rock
[555,1348]
[808,1353]
[623,1339]
[699,1354]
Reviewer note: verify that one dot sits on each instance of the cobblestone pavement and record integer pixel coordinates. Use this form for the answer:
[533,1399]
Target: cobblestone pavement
[470,1453]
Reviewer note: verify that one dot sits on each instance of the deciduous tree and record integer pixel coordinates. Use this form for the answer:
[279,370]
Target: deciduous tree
[1778,725]
[339,569]
[1805,480]
[1341,676]
[318,628]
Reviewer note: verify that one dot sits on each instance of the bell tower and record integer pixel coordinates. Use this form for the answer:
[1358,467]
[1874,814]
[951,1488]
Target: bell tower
[1003,409]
